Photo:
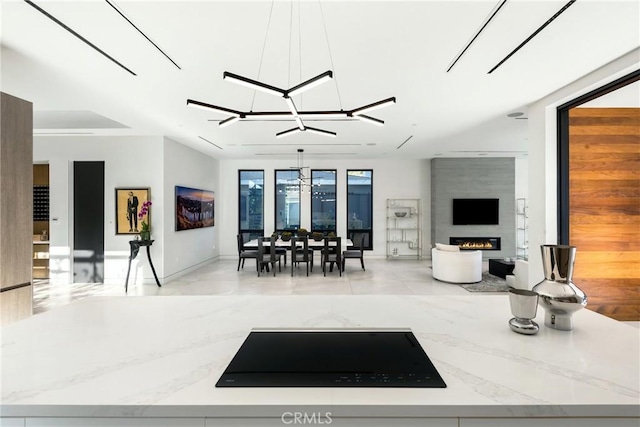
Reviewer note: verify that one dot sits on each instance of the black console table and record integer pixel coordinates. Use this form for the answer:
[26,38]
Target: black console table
[135,248]
[500,267]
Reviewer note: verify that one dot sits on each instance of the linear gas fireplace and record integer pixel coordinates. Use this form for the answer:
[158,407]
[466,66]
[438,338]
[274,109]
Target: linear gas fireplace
[475,243]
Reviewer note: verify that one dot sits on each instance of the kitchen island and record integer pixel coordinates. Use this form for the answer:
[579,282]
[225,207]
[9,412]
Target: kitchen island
[154,361]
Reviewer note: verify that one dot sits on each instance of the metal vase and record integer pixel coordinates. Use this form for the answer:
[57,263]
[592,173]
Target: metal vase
[558,295]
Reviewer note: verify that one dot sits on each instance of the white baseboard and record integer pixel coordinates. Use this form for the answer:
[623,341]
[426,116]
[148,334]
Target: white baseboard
[182,272]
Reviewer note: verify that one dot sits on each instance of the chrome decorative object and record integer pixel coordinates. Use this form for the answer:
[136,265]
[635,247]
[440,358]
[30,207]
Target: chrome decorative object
[558,295]
[524,305]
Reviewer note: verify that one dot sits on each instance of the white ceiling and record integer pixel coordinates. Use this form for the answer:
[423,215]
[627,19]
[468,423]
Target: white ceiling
[625,97]
[376,49]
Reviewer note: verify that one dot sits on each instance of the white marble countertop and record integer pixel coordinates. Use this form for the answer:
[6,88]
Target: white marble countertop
[161,356]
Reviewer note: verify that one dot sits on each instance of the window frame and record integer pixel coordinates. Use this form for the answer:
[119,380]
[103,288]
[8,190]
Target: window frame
[351,232]
[335,203]
[275,202]
[249,234]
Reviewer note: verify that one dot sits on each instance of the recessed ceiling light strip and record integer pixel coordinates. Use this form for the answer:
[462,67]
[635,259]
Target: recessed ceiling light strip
[487,151]
[117,9]
[62,133]
[405,141]
[535,33]
[206,140]
[57,21]
[493,13]
[314,154]
[280,144]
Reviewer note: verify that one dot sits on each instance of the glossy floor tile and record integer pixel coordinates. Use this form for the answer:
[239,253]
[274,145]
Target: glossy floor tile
[381,277]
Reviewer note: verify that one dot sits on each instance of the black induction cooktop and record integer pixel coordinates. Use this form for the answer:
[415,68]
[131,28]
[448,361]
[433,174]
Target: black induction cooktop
[332,358]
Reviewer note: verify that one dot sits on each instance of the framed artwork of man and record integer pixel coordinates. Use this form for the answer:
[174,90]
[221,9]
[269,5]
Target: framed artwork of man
[128,204]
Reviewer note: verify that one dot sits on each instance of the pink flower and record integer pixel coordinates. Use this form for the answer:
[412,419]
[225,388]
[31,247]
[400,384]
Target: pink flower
[144,211]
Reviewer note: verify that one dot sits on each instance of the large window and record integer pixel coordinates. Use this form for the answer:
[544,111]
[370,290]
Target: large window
[360,206]
[251,204]
[323,201]
[287,214]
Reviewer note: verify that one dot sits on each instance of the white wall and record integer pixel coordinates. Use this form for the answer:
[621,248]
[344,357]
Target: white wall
[391,179]
[522,178]
[154,162]
[542,155]
[188,249]
[129,162]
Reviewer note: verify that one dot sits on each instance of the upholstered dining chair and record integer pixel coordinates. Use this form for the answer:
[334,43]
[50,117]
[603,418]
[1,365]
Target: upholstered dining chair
[267,255]
[301,253]
[332,254]
[355,253]
[243,253]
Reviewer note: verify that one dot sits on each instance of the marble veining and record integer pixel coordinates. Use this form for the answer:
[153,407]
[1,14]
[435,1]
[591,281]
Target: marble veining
[161,356]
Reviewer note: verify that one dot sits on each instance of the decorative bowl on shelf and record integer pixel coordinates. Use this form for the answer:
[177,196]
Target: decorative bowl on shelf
[400,214]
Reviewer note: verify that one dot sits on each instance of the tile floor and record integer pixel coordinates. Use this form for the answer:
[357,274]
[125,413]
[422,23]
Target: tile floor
[382,277]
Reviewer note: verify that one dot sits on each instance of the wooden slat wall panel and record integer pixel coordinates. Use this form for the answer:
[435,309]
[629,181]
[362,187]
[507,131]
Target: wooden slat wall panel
[604,207]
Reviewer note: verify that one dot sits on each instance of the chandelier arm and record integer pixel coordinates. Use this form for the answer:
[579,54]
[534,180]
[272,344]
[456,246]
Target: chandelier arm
[254,84]
[288,132]
[230,120]
[206,106]
[321,131]
[373,106]
[312,82]
[370,119]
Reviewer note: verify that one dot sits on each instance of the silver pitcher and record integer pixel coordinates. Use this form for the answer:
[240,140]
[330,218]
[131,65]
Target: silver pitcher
[558,295]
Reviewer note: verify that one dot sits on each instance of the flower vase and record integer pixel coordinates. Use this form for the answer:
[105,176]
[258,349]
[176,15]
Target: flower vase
[145,235]
[558,295]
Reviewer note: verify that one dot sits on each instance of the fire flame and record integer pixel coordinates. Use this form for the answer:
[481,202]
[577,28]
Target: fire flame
[476,245]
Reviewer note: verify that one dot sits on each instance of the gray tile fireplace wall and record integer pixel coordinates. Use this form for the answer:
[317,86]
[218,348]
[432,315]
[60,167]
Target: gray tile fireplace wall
[487,178]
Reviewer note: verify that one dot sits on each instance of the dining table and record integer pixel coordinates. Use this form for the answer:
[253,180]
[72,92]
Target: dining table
[314,244]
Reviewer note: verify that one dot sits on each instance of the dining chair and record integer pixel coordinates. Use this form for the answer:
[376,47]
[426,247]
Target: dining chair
[301,253]
[355,253]
[332,254]
[267,255]
[283,252]
[243,253]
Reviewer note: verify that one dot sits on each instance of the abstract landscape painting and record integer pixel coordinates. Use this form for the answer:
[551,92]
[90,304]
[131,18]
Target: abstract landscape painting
[194,208]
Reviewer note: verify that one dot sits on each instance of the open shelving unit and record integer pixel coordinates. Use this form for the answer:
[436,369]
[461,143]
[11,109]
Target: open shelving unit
[522,229]
[404,233]
[40,253]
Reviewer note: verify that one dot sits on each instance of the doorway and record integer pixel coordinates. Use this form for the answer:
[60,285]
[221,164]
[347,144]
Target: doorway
[88,222]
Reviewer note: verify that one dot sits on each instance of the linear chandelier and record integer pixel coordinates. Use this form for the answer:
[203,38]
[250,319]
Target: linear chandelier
[293,113]
[303,181]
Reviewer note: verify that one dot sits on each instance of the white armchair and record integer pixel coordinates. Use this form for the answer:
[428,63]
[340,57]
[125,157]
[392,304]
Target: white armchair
[456,266]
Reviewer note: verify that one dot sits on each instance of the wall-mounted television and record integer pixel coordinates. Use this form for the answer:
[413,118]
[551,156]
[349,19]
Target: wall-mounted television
[475,211]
